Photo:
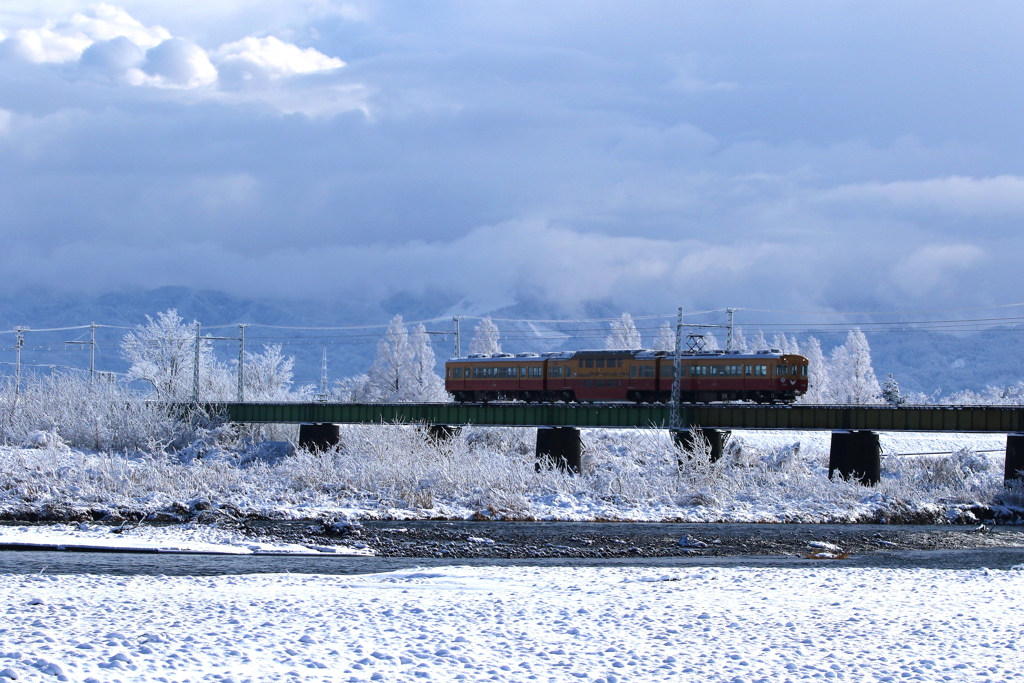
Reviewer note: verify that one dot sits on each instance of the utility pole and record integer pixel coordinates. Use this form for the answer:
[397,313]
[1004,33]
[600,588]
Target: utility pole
[323,378]
[92,352]
[195,369]
[458,338]
[677,365]
[19,332]
[241,363]
[730,339]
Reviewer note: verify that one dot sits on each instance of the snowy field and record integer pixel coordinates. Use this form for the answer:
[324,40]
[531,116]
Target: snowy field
[397,472]
[519,624]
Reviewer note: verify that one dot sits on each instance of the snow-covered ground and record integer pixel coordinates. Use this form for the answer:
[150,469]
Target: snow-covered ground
[397,472]
[519,624]
[190,538]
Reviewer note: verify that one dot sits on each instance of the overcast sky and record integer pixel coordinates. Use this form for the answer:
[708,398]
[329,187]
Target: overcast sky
[849,155]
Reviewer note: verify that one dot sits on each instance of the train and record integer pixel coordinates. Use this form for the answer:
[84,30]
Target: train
[638,376]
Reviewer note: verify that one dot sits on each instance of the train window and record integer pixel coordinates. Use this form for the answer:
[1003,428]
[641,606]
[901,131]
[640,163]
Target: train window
[600,363]
[600,383]
[619,363]
[457,373]
[590,363]
[554,371]
[668,370]
[781,370]
[581,362]
[762,370]
[632,371]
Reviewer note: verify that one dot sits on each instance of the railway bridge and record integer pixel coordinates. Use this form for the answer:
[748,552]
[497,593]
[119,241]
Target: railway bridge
[855,449]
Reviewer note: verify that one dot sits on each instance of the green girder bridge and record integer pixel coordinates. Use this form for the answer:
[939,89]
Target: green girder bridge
[633,416]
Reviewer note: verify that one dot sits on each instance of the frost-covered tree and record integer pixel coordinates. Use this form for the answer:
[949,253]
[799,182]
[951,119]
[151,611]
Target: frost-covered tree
[891,392]
[666,339]
[624,334]
[402,371]
[162,353]
[424,383]
[739,340]
[758,342]
[388,377]
[485,338]
[785,344]
[268,375]
[852,374]
[819,385]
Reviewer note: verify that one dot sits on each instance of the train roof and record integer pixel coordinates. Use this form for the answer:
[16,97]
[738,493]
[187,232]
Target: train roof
[642,354]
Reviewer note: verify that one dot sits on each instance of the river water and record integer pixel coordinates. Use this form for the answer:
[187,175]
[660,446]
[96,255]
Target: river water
[402,545]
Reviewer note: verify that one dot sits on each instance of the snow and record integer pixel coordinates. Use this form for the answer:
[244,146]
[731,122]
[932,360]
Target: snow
[399,472]
[603,625]
[192,538]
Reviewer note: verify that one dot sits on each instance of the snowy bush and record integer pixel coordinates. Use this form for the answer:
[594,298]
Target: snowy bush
[65,408]
[492,473]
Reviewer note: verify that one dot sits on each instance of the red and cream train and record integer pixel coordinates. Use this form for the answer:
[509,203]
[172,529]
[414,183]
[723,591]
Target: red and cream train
[638,376]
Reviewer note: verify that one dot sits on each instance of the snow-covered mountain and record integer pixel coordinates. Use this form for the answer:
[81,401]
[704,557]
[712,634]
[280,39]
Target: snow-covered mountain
[920,360]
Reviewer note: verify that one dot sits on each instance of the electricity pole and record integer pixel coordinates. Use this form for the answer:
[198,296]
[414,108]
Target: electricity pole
[730,340]
[92,352]
[195,369]
[458,338]
[19,332]
[323,379]
[241,363]
[677,364]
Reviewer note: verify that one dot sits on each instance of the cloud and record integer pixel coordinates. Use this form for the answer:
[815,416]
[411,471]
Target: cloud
[175,63]
[923,271]
[65,40]
[995,196]
[257,60]
[107,40]
[655,154]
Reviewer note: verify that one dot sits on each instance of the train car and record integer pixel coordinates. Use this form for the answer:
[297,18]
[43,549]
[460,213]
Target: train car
[640,376]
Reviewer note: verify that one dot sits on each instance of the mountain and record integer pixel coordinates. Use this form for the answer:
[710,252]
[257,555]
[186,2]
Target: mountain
[920,360]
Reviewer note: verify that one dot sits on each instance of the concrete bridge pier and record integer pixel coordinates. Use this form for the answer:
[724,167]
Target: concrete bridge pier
[439,433]
[319,437]
[562,445]
[716,438]
[856,455]
[1013,467]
